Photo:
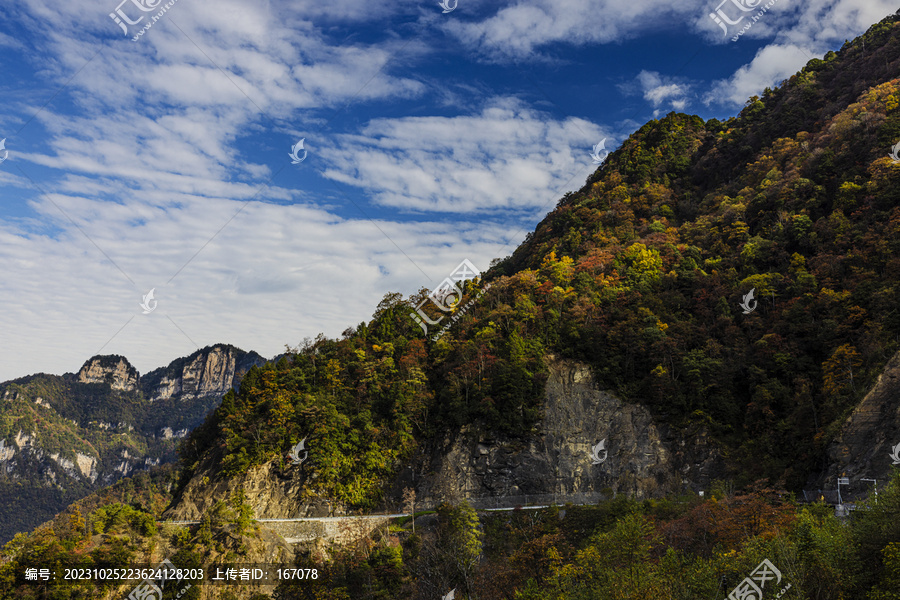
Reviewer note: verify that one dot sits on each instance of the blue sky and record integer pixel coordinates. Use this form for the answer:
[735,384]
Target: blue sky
[431,137]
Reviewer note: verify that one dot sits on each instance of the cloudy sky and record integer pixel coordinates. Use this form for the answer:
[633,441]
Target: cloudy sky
[141,158]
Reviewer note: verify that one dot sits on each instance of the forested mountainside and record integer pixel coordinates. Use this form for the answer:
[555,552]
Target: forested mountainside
[62,437]
[640,274]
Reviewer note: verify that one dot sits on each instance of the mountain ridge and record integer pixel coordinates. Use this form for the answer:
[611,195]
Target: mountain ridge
[67,435]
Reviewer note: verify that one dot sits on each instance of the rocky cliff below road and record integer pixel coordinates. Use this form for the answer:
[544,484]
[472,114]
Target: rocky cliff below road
[274,493]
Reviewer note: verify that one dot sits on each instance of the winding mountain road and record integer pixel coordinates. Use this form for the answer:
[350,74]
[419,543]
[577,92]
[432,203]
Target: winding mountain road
[353,517]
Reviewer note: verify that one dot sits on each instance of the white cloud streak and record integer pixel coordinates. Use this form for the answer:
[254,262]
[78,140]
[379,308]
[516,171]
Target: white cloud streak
[505,157]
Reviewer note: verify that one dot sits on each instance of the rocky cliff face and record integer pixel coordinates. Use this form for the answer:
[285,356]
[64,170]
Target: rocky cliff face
[557,464]
[24,453]
[208,372]
[114,371]
[273,493]
[864,447]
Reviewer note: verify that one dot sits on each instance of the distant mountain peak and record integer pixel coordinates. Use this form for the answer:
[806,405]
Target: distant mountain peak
[102,423]
[208,372]
[111,369]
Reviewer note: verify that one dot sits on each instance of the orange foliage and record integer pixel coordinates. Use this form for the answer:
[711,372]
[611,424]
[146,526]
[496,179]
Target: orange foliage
[730,522]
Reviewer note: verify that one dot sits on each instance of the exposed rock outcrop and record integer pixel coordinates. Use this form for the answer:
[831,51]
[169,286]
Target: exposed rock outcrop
[6,452]
[113,370]
[206,373]
[558,464]
[273,494]
[864,446]
[211,371]
[24,440]
[83,466]
[168,434]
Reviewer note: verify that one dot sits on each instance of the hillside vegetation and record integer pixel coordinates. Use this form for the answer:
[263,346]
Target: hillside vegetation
[640,274]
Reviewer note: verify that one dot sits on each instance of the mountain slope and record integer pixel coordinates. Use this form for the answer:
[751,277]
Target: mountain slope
[640,274]
[797,199]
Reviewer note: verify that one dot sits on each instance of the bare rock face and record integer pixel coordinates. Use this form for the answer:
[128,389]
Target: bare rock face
[6,452]
[864,448]
[113,370]
[560,464]
[209,372]
[83,466]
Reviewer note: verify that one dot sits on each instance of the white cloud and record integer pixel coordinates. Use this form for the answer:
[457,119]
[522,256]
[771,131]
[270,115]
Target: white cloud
[157,117]
[276,274]
[771,65]
[800,32]
[663,93]
[274,57]
[506,157]
[521,28]
[819,24]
